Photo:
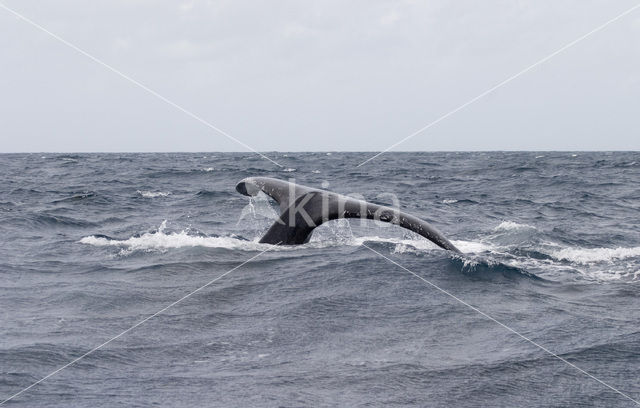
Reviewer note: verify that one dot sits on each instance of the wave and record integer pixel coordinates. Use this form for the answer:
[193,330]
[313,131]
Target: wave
[7,205]
[332,234]
[39,220]
[77,197]
[70,159]
[585,256]
[478,258]
[474,247]
[153,194]
[507,226]
[214,193]
[490,268]
[526,247]
[540,259]
[159,240]
[461,201]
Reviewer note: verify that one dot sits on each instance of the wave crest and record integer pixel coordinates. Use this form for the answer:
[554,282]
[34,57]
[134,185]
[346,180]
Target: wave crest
[586,256]
[507,226]
[153,194]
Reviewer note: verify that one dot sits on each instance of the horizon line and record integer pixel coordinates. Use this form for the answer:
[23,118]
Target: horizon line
[327,151]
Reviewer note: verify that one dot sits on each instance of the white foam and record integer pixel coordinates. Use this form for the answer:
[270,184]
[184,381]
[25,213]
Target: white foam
[289,170]
[473,247]
[594,264]
[585,256]
[316,172]
[153,194]
[208,169]
[506,226]
[403,245]
[161,241]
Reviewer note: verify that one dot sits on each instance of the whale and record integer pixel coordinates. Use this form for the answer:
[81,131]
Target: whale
[303,208]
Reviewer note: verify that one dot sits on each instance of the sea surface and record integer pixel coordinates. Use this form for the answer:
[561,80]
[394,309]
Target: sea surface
[548,285]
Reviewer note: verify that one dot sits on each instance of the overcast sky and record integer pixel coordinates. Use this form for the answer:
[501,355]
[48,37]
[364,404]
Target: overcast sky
[327,75]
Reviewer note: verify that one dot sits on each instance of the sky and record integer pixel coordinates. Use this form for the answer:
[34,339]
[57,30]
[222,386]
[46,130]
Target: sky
[319,76]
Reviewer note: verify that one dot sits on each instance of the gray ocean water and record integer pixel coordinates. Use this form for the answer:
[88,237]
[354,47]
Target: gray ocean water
[94,243]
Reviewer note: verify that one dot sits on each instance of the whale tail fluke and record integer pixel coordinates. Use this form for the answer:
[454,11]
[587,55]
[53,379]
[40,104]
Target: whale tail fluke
[304,208]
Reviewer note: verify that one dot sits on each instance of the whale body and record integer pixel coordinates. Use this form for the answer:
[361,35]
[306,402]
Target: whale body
[304,208]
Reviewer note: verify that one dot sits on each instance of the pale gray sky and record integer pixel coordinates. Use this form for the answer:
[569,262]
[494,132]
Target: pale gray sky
[329,75]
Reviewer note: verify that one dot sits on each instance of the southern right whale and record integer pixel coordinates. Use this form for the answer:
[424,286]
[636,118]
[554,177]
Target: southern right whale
[304,208]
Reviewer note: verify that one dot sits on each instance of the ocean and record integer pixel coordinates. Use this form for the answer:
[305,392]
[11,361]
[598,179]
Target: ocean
[541,309]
